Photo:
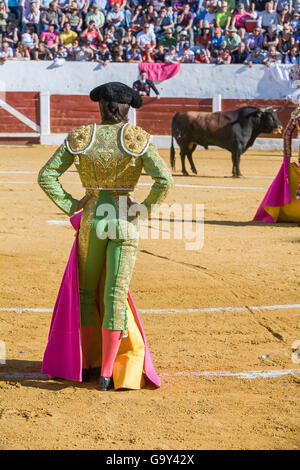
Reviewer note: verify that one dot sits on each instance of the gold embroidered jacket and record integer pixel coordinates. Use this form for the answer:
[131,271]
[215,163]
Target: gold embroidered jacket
[294,122]
[106,157]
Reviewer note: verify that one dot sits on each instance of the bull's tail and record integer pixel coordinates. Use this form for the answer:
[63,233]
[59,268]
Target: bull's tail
[172,151]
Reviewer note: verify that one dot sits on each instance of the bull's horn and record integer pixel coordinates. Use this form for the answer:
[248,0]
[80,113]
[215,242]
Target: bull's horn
[267,108]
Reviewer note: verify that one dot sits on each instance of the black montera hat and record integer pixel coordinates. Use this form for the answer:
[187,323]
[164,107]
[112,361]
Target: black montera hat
[117,92]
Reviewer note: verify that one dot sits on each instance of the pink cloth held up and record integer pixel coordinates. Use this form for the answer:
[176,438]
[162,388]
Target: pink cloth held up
[111,340]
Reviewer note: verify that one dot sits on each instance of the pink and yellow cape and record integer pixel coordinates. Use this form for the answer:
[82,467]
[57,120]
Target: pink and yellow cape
[280,203]
[133,366]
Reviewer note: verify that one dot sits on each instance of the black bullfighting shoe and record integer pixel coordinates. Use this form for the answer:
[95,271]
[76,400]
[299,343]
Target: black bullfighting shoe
[105,383]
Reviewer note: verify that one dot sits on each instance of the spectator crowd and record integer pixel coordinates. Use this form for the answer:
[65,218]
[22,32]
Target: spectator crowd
[104,31]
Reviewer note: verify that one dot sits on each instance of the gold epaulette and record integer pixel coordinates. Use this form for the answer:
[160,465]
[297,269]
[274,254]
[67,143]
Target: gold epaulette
[134,140]
[79,140]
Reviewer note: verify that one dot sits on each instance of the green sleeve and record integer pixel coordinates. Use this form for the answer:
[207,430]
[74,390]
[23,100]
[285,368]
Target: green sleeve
[48,180]
[155,166]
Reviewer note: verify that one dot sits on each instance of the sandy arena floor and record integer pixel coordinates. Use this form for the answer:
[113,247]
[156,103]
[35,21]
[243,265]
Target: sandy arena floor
[241,264]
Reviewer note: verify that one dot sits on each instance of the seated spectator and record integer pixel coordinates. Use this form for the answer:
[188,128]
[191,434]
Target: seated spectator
[136,23]
[54,15]
[21,52]
[91,36]
[41,52]
[50,37]
[295,21]
[168,40]
[270,38]
[97,16]
[171,56]
[240,55]
[115,17]
[74,17]
[223,57]
[31,17]
[150,16]
[256,56]
[133,54]
[103,55]
[210,15]
[129,38]
[68,36]
[204,38]
[223,16]
[111,35]
[292,57]
[60,55]
[217,39]
[240,17]
[187,56]
[185,20]
[118,53]
[146,36]
[144,85]
[80,53]
[10,35]
[254,40]
[160,54]
[203,57]
[3,17]
[273,57]
[6,52]
[268,17]
[183,40]
[286,40]
[29,38]
[148,55]
[283,17]
[165,21]
[231,39]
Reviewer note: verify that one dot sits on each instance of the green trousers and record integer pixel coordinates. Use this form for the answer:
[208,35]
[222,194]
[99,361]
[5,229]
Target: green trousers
[106,240]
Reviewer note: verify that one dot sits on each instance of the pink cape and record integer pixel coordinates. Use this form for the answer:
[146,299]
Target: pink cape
[277,195]
[62,357]
[159,71]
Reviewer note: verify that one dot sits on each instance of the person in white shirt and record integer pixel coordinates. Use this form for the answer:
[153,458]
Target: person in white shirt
[6,52]
[31,17]
[171,56]
[268,17]
[115,17]
[146,36]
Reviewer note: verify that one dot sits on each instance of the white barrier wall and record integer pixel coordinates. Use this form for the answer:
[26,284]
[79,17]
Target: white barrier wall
[192,81]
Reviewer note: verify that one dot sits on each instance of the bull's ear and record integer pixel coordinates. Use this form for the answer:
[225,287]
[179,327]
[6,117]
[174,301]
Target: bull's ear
[259,112]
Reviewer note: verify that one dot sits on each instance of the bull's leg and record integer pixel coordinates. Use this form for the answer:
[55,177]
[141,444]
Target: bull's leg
[236,156]
[190,158]
[182,156]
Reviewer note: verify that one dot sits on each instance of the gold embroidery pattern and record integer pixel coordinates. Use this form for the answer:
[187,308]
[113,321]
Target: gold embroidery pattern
[79,139]
[84,236]
[135,140]
[127,262]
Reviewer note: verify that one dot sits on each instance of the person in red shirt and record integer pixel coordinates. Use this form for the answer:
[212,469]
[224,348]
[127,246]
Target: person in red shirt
[91,35]
[148,55]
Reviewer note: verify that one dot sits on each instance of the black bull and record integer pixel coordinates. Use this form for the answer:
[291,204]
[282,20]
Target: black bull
[234,131]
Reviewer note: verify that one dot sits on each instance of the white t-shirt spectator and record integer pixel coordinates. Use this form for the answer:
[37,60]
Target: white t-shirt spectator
[31,17]
[6,54]
[112,15]
[170,58]
[266,19]
[209,18]
[145,38]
